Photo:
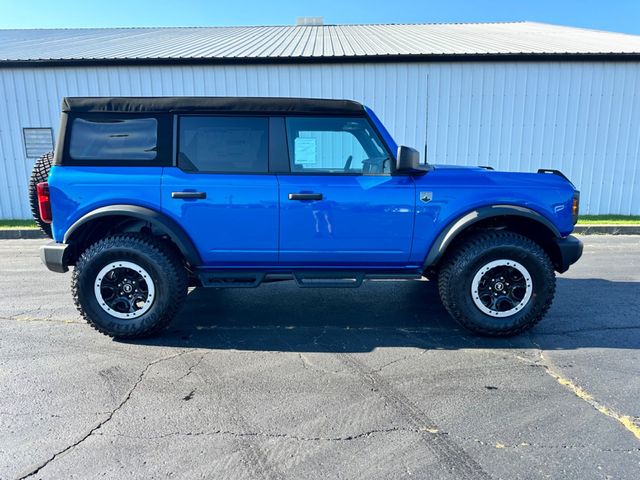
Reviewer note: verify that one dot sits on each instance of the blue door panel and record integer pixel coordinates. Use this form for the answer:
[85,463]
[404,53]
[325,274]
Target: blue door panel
[361,220]
[235,225]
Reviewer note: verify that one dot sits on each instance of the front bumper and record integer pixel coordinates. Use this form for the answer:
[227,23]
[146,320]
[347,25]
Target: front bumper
[53,256]
[569,251]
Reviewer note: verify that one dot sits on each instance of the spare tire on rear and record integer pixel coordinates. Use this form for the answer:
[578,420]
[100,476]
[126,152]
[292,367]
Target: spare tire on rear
[40,173]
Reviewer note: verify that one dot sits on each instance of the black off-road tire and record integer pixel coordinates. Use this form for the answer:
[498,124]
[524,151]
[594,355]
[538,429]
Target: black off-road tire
[40,173]
[163,264]
[470,256]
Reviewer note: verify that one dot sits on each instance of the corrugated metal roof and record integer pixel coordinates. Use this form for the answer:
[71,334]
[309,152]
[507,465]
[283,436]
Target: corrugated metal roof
[325,42]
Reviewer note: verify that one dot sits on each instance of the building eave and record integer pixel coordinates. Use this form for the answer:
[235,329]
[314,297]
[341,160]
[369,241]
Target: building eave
[426,58]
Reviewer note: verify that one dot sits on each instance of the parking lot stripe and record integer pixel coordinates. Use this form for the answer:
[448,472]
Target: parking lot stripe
[625,420]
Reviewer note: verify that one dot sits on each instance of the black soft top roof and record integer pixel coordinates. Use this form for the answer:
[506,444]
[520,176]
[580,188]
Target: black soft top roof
[212,104]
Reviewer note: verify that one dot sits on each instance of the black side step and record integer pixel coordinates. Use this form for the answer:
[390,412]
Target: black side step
[308,279]
[329,279]
[231,279]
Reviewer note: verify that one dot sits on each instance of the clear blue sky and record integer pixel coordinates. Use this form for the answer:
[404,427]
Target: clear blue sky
[614,15]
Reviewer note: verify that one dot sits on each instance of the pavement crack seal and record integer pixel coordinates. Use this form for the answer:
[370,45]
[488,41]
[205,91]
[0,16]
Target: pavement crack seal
[397,360]
[192,367]
[102,423]
[346,438]
[625,420]
[309,365]
[524,445]
[459,461]
[589,330]
[47,319]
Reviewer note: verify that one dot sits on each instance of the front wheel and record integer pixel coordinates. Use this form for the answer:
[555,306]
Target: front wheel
[497,283]
[129,285]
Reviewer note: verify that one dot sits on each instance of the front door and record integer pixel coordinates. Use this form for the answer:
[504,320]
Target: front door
[221,192]
[340,205]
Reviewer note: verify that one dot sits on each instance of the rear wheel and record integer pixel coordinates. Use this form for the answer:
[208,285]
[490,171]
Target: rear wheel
[129,285]
[497,283]
[40,173]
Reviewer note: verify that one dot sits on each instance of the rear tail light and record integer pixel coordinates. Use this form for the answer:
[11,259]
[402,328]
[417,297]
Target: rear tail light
[575,208]
[44,202]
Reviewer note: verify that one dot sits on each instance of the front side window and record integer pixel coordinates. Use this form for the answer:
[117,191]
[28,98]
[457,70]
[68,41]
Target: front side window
[114,139]
[335,145]
[224,144]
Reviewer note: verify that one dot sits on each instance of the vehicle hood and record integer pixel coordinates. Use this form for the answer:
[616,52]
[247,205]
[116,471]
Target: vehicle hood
[455,190]
[488,176]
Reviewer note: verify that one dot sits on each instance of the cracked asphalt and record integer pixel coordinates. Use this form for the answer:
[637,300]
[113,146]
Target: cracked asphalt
[280,382]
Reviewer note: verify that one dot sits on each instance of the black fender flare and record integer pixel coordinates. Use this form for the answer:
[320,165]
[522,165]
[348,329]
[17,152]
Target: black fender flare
[451,231]
[158,220]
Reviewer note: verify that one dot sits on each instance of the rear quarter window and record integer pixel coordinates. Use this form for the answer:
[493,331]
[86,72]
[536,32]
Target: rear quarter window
[122,139]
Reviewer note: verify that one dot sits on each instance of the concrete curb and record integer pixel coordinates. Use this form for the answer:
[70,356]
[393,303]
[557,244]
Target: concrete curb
[607,229]
[25,233]
[32,233]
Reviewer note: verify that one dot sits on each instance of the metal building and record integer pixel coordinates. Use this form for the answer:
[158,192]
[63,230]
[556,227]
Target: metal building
[515,96]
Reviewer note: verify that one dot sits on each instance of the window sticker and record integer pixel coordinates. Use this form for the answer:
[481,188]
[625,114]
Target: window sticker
[305,151]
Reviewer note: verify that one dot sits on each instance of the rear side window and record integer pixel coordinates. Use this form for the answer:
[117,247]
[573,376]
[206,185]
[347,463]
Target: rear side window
[114,139]
[221,144]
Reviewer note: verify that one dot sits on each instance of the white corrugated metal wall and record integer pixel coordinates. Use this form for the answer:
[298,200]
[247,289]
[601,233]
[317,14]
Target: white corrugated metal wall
[580,117]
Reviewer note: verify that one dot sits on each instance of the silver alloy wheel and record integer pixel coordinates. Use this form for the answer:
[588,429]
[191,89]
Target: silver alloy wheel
[124,290]
[501,288]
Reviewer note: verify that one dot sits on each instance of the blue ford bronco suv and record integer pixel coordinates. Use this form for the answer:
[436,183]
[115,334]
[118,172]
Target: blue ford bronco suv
[148,196]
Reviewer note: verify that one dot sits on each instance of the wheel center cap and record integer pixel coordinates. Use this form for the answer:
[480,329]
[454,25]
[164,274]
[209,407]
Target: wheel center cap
[498,286]
[127,288]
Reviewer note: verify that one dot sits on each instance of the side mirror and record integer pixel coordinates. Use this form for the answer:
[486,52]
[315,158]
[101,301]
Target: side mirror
[408,159]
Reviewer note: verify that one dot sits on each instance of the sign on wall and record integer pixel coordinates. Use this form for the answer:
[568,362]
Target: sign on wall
[37,141]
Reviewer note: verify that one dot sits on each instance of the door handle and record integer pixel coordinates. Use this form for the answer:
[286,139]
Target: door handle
[305,196]
[188,195]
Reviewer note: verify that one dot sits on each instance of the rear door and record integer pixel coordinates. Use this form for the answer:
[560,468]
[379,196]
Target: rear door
[340,203]
[220,190]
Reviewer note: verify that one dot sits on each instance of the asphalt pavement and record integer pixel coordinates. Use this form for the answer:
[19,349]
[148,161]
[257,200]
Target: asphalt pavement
[280,382]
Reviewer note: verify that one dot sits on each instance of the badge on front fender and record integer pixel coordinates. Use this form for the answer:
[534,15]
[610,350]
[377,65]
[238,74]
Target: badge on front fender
[426,196]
